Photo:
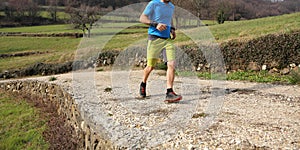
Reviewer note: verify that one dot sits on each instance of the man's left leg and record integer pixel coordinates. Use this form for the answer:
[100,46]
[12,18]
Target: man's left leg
[170,74]
[171,96]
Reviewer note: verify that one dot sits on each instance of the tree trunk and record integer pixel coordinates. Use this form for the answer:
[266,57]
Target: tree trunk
[89,32]
[198,20]
[177,23]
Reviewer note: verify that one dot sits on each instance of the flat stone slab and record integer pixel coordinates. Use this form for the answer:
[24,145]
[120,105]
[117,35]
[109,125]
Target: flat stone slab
[212,114]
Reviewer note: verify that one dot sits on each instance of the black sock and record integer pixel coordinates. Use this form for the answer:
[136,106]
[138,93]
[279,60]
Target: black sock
[143,84]
[169,90]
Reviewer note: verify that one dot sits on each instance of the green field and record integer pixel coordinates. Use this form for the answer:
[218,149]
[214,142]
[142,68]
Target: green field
[61,15]
[42,29]
[60,49]
[21,127]
[66,28]
[256,28]
[56,50]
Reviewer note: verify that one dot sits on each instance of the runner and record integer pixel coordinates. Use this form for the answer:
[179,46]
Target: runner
[158,15]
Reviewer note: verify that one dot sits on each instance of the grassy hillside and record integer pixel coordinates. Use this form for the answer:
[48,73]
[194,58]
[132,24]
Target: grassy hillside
[60,49]
[255,28]
[53,50]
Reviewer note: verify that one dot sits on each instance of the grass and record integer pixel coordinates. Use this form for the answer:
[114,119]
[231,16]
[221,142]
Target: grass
[42,44]
[120,42]
[67,28]
[252,76]
[255,28]
[61,15]
[20,125]
[57,50]
[294,78]
[52,78]
[262,77]
[42,29]
[209,22]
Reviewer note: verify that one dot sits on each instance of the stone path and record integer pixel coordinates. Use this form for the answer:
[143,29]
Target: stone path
[212,115]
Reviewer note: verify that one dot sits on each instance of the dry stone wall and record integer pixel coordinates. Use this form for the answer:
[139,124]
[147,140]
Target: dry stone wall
[270,52]
[51,93]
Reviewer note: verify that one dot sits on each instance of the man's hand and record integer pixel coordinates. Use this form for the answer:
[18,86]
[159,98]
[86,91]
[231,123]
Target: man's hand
[173,34]
[161,27]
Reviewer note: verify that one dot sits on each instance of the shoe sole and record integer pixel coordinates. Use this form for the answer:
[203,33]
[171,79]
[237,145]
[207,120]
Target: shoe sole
[142,97]
[173,100]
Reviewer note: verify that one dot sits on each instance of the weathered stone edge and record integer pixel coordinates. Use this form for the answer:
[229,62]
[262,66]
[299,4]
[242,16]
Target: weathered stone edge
[66,106]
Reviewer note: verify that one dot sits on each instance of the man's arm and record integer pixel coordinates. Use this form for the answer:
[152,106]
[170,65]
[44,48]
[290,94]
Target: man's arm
[159,26]
[144,19]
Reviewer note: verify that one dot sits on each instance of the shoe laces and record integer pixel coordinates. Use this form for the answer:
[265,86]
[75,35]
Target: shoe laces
[142,89]
[172,93]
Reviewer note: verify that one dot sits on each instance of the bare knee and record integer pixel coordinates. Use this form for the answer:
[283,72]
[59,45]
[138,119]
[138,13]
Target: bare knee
[148,68]
[171,65]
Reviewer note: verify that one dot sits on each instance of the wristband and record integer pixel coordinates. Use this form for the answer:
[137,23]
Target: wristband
[153,24]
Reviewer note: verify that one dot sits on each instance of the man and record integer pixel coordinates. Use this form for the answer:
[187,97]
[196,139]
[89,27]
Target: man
[158,14]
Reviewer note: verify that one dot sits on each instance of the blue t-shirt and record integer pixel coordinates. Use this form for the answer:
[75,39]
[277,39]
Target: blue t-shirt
[160,12]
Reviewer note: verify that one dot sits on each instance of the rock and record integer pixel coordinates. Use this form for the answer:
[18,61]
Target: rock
[207,66]
[234,67]
[296,69]
[274,64]
[200,66]
[109,61]
[104,62]
[285,71]
[253,66]
[264,67]
[274,70]
[191,147]
[245,144]
[293,65]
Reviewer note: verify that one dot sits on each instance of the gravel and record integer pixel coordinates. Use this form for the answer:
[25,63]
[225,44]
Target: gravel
[212,115]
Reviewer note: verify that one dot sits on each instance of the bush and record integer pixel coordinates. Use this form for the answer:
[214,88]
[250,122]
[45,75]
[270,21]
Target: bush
[161,66]
[52,78]
[275,51]
[295,77]
[272,50]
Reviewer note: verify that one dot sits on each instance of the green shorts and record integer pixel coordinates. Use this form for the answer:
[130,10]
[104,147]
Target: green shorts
[155,47]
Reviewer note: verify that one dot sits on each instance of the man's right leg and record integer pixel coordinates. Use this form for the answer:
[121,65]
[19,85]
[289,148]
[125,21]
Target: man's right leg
[147,72]
[153,50]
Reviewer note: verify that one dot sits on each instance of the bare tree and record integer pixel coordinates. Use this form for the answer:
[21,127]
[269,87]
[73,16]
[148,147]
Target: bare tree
[53,9]
[291,5]
[23,8]
[178,3]
[19,7]
[84,17]
[199,7]
[32,9]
